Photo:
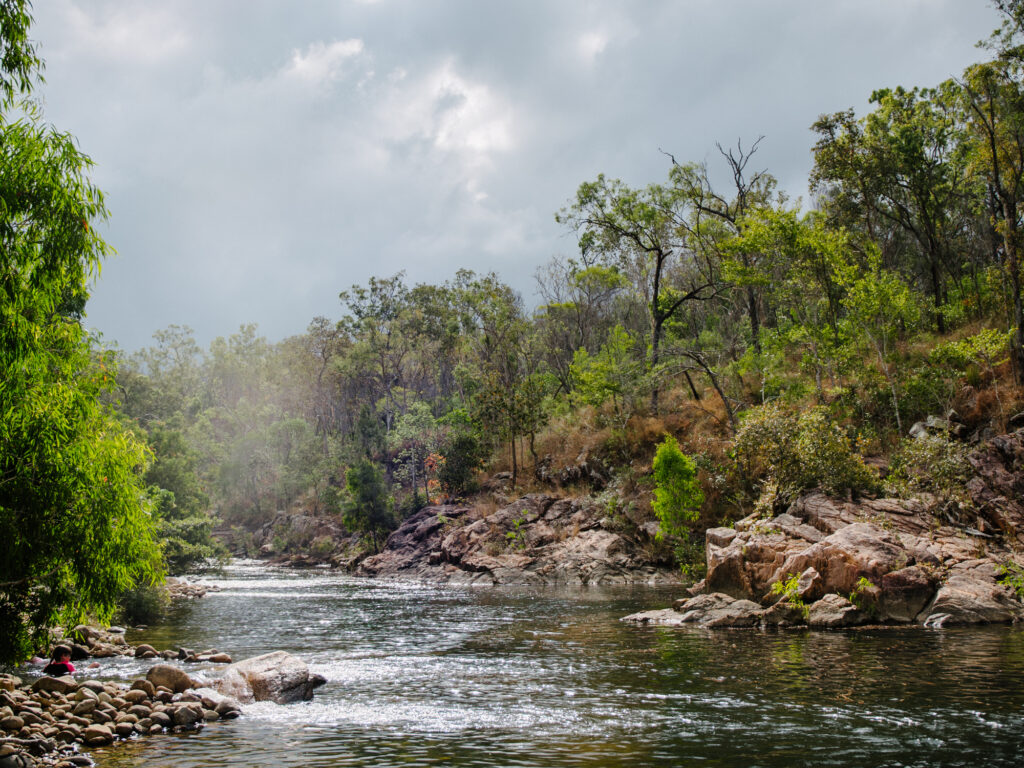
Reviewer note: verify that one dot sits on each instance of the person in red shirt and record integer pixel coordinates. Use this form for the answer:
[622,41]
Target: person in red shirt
[60,662]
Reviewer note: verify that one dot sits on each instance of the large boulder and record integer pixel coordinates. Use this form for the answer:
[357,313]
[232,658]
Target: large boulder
[970,598]
[278,677]
[171,677]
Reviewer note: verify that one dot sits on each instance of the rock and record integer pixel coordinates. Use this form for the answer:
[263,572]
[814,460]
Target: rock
[12,723]
[136,696]
[170,677]
[219,658]
[969,598]
[9,682]
[65,684]
[97,735]
[144,685]
[187,715]
[904,594]
[833,611]
[278,677]
[141,650]
[714,610]
[217,701]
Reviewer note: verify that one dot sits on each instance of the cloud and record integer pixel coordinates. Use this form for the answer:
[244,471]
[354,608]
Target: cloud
[323,63]
[144,34]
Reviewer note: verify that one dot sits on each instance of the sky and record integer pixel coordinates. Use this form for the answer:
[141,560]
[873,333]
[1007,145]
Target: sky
[259,157]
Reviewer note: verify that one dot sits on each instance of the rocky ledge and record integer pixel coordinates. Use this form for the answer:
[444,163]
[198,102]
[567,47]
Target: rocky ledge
[45,723]
[538,539]
[881,561]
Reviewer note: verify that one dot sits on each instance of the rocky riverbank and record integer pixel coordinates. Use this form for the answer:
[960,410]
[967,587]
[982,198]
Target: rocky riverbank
[833,563]
[538,539]
[48,721]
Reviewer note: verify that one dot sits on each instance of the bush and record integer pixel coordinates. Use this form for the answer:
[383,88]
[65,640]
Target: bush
[677,494]
[462,455]
[934,465]
[797,452]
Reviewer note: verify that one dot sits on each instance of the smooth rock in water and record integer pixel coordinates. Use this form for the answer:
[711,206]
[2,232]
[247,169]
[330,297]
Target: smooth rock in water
[65,684]
[187,715]
[217,701]
[169,677]
[278,677]
[719,610]
[833,611]
[141,650]
[969,598]
[905,593]
[12,723]
[97,735]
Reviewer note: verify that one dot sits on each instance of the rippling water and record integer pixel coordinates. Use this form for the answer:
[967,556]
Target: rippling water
[424,676]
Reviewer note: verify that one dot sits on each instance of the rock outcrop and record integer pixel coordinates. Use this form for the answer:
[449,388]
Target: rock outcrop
[880,561]
[278,677]
[538,539]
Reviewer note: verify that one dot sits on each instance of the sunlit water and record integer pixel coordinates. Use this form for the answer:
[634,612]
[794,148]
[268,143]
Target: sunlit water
[425,676]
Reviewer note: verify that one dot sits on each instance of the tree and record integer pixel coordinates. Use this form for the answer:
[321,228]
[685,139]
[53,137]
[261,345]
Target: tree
[904,164]
[74,528]
[643,233]
[368,508]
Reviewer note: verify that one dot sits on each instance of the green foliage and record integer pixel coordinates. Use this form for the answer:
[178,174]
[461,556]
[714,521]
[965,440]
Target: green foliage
[862,595]
[677,493]
[611,374]
[463,454]
[932,464]
[788,589]
[1012,575]
[517,536]
[801,451]
[368,508]
[74,528]
[143,604]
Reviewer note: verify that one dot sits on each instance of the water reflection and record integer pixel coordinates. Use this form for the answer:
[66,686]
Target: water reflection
[422,677]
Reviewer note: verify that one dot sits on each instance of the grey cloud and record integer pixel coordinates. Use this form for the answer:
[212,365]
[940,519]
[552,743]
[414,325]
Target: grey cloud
[259,157]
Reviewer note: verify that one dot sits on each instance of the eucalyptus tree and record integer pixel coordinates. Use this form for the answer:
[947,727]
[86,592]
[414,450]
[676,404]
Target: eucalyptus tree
[644,234]
[904,164]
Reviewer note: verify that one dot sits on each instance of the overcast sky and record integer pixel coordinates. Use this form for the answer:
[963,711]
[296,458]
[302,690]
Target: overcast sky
[260,156]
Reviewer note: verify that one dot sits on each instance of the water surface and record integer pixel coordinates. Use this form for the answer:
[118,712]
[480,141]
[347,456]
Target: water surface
[432,676]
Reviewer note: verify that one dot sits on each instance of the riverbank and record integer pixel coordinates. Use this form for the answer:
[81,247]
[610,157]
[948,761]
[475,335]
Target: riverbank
[834,563]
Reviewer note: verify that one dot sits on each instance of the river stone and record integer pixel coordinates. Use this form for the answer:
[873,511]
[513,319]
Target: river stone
[124,730]
[84,707]
[141,650]
[144,685]
[719,610]
[278,677]
[12,723]
[135,696]
[161,719]
[65,684]
[187,715]
[9,682]
[833,611]
[97,735]
[170,677]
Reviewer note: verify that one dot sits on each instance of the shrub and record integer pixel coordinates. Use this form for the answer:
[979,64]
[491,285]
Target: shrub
[798,452]
[933,464]
[677,494]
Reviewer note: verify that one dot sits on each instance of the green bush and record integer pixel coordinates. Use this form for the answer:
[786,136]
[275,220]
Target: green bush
[797,452]
[933,464]
[677,494]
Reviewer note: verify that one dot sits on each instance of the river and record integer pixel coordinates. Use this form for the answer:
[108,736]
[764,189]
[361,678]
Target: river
[435,676]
